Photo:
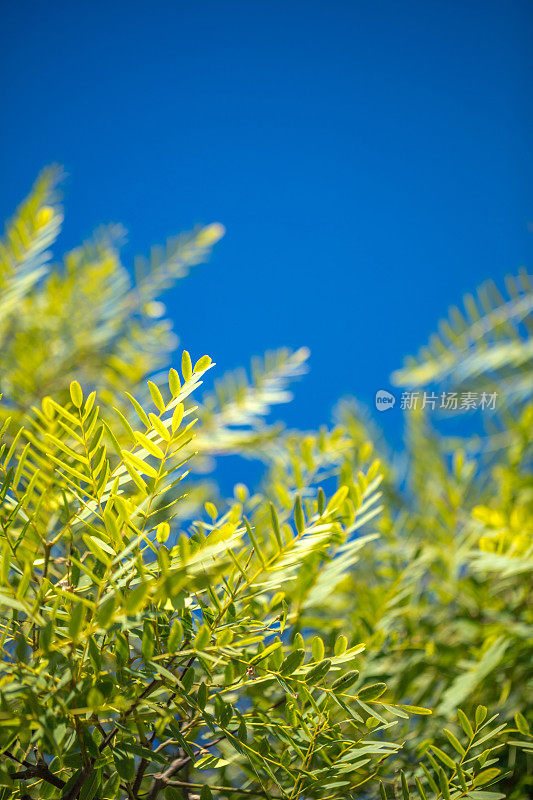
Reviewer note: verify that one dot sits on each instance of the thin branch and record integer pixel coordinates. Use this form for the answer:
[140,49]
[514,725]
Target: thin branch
[162,779]
[228,789]
[39,771]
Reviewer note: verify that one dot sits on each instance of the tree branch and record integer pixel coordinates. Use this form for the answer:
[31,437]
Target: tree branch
[39,771]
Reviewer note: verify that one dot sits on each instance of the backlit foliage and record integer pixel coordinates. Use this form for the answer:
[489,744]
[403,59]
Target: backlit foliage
[356,626]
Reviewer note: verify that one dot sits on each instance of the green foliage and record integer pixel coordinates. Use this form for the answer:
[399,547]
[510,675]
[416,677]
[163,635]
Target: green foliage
[350,628]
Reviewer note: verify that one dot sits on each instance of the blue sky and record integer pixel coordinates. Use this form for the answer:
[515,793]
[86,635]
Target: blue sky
[370,161]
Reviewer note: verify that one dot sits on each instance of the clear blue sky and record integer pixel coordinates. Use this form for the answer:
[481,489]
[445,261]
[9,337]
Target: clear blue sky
[371,161]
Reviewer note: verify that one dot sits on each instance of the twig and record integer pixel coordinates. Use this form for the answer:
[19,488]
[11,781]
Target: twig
[162,779]
[228,789]
[39,771]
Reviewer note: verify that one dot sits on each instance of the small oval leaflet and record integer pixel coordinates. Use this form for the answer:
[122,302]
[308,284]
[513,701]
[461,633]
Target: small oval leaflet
[186,366]
[76,394]
[345,681]
[317,673]
[292,662]
[202,364]
[372,691]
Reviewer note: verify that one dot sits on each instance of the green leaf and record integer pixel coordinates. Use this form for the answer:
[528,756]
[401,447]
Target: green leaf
[175,636]
[299,519]
[150,446]
[454,741]
[162,532]
[372,691]
[188,678]
[186,366]
[156,396]
[95,698]
[105,612]
[276,645]
[341,645]
[174,383]
[318,672]
[465,724]
[338,499]
[148,641]
[76,394]
[124,763]
[159,427]
[443,783]
[97,547]
[275,525]
[110,788]
[423,712]
[202,638]
[133,460]
[202,364]
[72,781]
[292,662]
[298,641]
[177,417]
[345,681]
[135,599]
[521,723]
[444,757]
[420,789]
[405,789]
[462,778]
[202,694]
[486,776]
[141,413]
[317,648]
[94,654]
[76,621]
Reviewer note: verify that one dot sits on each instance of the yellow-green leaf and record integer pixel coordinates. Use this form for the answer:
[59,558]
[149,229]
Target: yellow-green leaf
[202,638]
[76,394]
[149,445]
[202,364]
[177,417]
[174,383]
[163,532]
[157,397]
[186,365]
[138,464]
